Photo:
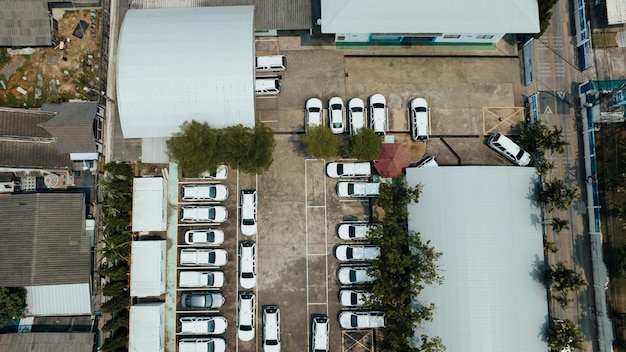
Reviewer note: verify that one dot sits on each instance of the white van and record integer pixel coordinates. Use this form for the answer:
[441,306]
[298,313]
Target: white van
[509,149]
[274,63]
[267,86]
[319,334]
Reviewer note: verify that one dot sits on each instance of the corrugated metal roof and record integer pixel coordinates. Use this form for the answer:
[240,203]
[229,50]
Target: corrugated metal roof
[183,64]
[43,240]
[487,226]
[147,269]
[616,11]
[149,204]
[268,14]
[59,300]
[147,332]
[47,342]
[25,23]
[154,150]
[72,126]
[442,16]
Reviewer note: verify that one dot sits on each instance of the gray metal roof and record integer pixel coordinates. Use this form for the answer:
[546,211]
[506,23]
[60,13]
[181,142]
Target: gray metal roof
[47,342]
[43,240]
[268,14]
[485,221]
[183,64]
[72,126]
[441,16]
[25,23]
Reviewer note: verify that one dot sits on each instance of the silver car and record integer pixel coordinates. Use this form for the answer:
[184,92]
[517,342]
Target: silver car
[202,300]
[353,298]
[354,275]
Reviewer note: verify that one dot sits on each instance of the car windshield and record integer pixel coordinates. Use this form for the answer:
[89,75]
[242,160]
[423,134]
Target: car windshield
[247,275]
[379,105]
[353,320]
[210,236]
[314,109]
[352,275]
[210,279]
[211,326]
[354,298]
[212,192]
[351,231]
[519,155]
[336,107]
[212,257]
[349,253]
[350,188]
[420,109]
[271,342]
[248,222]
[210,347]
[212,213]
[245,327]
[340,169]
[357,109]
[337,125]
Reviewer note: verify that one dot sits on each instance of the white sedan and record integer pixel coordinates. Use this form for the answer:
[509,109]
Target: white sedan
[354,275]
[348,169]
[362,320]
[357,116]
[208,192]
[337,115]
[209,237]
[312,113]
[357,252]
[378,113]
[419,119]
[203,325]
[215,344]
[353,298]
[354,231]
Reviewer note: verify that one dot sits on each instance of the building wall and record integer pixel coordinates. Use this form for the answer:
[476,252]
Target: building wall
[417,39]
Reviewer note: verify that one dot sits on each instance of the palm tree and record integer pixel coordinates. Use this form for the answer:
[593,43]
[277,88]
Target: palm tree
[564,279]
[557,195]
[550,246]
[564,334]
[559,225]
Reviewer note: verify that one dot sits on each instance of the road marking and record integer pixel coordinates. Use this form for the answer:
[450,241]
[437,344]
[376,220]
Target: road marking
[547,111]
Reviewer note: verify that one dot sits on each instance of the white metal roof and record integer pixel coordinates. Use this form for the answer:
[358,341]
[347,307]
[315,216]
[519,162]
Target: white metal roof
[149,204]
[616,11]
[484,221]
[180,64]
[146,329]
[59,300]
[147,269]
[441,16]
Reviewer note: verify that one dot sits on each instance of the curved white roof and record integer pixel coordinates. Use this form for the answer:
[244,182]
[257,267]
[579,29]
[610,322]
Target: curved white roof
[179,64]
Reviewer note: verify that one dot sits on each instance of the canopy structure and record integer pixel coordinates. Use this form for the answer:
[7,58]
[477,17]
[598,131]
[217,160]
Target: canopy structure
[392,160]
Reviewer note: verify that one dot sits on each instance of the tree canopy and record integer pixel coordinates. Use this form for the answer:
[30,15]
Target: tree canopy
[12,303]
[320,142]
[537,138]
[365,144]
[565,279]
[563,334]
[557,195]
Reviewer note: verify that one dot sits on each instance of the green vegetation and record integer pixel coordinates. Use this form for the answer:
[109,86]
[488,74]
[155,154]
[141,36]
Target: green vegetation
[5,58]
[199,148]
[545,15]
[12,303]
[557,195]
[365,145]
[320,142]
[563,334]
[565,280]
[537,138]
[405,266]
[559,225]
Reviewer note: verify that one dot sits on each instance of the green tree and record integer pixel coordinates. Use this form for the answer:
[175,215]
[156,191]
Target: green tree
[365,144]
[115,304]
[544,166]
[116,272]
[115,288]
[559,225]
[320,142]
[563,300]
[116,342]
[564,334]
[12,303]
[434,344]
[565,279]
[249,150]
[557,195]
[550,246]
[120,320]
[195,148]
[537,138]
[120,171]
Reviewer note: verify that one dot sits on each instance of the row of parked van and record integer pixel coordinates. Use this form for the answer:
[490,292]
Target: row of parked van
[264,64]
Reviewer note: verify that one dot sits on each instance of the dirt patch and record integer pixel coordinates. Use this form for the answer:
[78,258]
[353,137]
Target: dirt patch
[55,74]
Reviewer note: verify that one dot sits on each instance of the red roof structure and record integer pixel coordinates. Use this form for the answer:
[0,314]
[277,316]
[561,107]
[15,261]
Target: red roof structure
[392,160]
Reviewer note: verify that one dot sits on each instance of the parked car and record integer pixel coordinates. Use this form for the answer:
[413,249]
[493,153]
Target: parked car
[206,192]
[203,325]
[271,329]
[245,327]
[247,264]
[356,113]
[213,344]
[419,119]
[336,115]
[203,257]
[348,169]
[201,279]
[202,300]
[358,189]
[509,149]
[248,212]
[356,252]
[313,113]
[362,320]
[319,334]
[273,63]
[267,86]
[210,237]
[354,231]
[428,161]
[353,298]
[354,275]
[216,213]
[220,174]
[378,113]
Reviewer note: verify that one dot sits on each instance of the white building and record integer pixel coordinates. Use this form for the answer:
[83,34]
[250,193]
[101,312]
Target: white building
[149,204]
[147,327]
[147,269]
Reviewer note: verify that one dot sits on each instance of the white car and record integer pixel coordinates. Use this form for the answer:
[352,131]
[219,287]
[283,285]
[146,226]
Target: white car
[247,264]
[356,112]
[429,161]
[336,115]
[348,169]
[378,113]
[354,231]
[362,320]
[216,213]
[203,325]
[271,329]
[214,344]
[207,192]
[245,327]
[202,300]
[248,212]
[220,174]
[354,275]
[319,334]
[353,298]
[201,279]
[358,189]
[203,257]
[210,237]
[356,252]
[419,119]
[313,113]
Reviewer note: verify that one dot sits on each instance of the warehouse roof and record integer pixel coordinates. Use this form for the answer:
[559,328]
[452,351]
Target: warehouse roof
[485,221]
[147,268]
[442,16]
[183,64]
[47,342]
[25,23]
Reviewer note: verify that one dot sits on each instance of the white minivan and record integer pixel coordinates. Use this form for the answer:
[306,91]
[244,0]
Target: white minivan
[273,63]
[267,86]
[509,149]
[319,334]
